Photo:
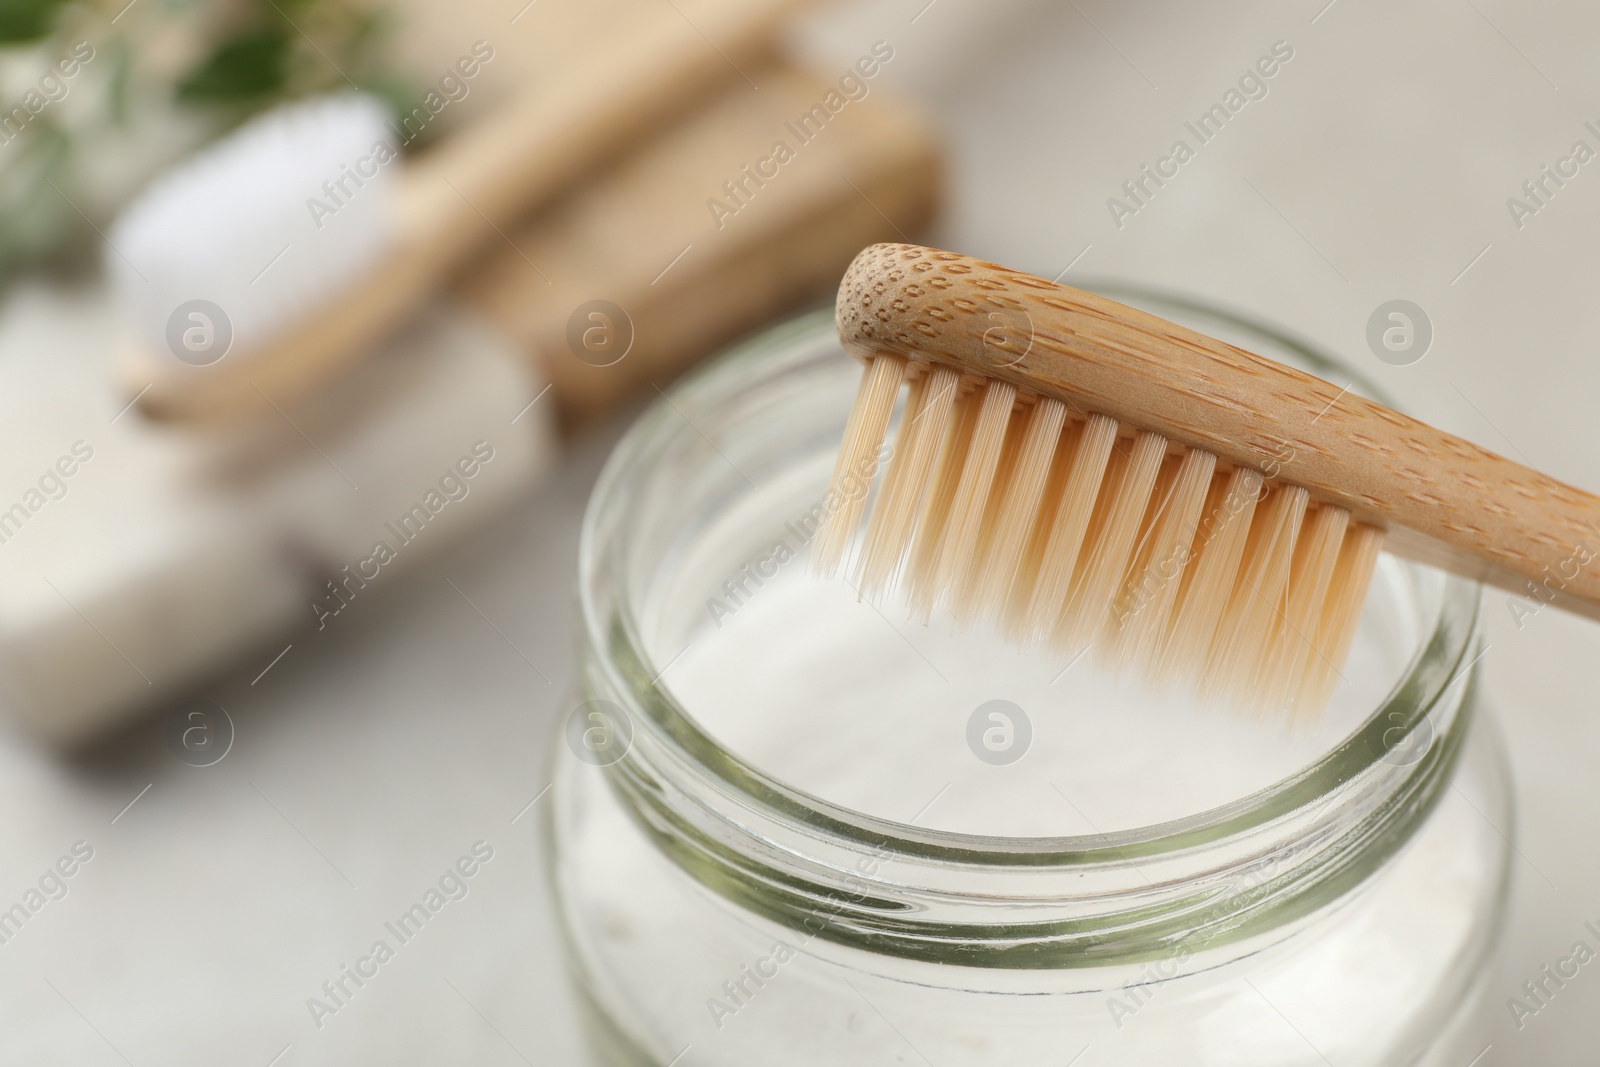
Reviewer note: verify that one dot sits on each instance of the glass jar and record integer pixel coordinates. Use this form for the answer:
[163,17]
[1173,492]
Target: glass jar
[755,862]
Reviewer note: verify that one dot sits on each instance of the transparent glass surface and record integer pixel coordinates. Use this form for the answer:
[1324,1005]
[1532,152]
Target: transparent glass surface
[807,853]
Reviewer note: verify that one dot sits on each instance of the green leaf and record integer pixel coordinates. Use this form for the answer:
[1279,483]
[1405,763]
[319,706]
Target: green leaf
[251,65]
[119,86]
[400,95]
[26,20]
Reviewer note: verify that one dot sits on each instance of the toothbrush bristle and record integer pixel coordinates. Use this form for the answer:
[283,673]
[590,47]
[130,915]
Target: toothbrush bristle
[1066,527]
[266,224]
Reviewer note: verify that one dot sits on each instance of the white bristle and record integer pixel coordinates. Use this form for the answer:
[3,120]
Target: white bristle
[267,224]
[1075,529]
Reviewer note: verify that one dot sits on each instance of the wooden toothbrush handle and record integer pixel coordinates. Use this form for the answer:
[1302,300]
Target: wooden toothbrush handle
[462,196]
[1444,500]
[880,161]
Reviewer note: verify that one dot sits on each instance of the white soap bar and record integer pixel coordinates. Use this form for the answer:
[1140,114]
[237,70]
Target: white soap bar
[135,557]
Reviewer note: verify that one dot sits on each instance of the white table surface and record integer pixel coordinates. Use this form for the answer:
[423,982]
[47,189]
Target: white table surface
[380,750]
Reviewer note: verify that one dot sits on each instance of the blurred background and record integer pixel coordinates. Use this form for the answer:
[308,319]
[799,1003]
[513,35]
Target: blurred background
[266,735]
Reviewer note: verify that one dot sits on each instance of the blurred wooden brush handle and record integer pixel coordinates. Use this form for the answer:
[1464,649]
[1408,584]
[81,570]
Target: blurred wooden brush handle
[643,237]
[1444,500]
[454,199]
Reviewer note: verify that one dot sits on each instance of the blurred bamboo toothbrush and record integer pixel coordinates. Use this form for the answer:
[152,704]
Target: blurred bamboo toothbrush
[235,289]
[231,536]
[1090,474]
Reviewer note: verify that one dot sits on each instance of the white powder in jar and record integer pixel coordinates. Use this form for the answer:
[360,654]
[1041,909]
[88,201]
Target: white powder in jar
[863,708]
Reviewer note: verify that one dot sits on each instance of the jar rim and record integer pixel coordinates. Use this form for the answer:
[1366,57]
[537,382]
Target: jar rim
[1396,794]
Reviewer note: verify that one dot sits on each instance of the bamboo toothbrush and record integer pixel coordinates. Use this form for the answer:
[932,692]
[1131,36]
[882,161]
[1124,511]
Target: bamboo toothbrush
[197,254]
[228,536]
[1089,474]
